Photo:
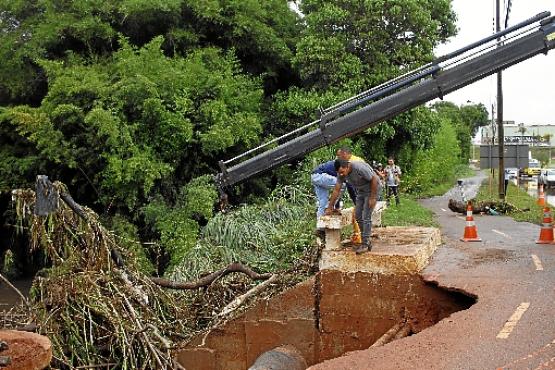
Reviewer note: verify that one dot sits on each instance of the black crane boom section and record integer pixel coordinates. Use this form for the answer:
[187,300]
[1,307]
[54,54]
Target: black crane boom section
[400,95]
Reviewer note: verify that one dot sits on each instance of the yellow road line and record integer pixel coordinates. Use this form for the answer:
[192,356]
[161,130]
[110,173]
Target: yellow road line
[537,262]
[513,320]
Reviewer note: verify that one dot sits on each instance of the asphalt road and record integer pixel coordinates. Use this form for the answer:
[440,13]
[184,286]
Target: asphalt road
[512,324]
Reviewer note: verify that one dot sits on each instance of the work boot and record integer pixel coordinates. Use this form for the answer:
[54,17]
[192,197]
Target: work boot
[363,248]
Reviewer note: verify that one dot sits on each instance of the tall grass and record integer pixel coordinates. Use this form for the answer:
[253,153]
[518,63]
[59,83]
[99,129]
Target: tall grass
[267,237]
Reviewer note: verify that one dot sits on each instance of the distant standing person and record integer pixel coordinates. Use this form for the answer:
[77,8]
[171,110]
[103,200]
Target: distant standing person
[381,174]
[507,177]
[392,179]
[366,183]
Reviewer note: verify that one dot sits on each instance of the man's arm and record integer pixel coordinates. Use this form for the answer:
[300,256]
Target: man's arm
[373,192]
[352,193]
[333,198]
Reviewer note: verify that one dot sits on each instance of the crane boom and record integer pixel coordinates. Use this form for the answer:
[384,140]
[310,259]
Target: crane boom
[434,80]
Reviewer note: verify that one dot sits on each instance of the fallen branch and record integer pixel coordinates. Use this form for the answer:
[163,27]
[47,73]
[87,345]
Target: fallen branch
[209,279]
[389,335]
[144,336]
[107,365]
[404,332]
[482,207]
[237,302]
[15,289]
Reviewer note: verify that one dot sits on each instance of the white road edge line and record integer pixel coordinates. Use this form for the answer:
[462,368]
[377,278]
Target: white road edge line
[513,320]
[502,233]
[461,218]
[444,210]
[537,262]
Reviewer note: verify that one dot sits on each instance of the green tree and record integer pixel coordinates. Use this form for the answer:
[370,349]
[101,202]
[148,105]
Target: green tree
[363,43]
[348,46]
[432,166]
[466,119]
[261,34]
[136,128]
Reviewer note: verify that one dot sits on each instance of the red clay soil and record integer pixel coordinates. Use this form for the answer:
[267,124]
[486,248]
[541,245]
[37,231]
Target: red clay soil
[27,351]
[512,325]
[322,318]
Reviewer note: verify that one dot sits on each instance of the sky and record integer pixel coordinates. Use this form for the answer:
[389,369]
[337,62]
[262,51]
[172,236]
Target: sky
[528,87]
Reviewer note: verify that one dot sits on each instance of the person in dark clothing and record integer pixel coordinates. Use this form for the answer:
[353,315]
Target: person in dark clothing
[364,180]
[323,179]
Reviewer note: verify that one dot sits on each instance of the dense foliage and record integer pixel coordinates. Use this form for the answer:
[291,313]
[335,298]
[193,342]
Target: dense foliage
[132,103]
[466,119]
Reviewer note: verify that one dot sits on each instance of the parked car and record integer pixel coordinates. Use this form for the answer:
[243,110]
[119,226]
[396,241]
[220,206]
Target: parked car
[550,177]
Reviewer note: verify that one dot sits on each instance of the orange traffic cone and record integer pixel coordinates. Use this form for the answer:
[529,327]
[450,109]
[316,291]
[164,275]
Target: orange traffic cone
[541,198]
[355,236]
[546,233]
[470,231]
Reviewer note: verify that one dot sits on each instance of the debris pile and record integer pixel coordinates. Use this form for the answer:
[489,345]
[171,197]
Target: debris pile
[97,308]
[488,207]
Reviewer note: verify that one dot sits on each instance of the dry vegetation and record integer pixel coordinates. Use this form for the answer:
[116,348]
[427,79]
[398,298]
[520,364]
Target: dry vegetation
[98,310]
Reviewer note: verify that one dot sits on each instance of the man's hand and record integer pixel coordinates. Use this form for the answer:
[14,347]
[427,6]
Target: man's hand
[371,203]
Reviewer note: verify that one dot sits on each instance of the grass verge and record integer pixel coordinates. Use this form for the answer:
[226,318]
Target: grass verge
[411,213]
[408,213]
[528,210]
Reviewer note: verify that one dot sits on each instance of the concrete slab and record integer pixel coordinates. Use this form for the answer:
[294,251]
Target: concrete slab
[512,324]
[396,250]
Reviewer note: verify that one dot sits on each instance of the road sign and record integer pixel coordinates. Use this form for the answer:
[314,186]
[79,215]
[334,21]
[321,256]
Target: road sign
[515,156]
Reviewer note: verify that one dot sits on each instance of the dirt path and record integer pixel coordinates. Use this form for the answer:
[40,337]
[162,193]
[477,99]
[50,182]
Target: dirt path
[512,325]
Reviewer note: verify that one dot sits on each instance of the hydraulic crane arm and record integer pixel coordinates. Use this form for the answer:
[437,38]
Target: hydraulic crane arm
[400,95]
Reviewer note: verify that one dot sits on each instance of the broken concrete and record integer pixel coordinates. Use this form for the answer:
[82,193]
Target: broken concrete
[26,351]
[506,271]
[324,317]
[395,250]
[333,224]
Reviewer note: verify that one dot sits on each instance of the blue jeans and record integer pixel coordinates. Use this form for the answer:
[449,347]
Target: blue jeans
[323,183]
[363,214]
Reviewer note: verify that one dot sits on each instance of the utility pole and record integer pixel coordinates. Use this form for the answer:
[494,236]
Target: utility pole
[501,134]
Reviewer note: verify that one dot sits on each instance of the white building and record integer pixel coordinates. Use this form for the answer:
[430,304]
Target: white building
[533,135]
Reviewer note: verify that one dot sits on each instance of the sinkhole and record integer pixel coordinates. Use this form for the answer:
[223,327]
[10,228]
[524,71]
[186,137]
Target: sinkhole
[324,317]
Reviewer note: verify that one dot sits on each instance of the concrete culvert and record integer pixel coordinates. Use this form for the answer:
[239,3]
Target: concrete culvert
[323,318]
[280,358]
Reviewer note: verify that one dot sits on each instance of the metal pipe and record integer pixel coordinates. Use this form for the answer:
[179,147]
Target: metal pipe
[376,88]
[302,128]
[496,35]
[451,55]
[349,107]
[394,84]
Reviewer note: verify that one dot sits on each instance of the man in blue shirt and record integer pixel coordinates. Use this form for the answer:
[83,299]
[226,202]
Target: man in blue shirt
[324,178]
